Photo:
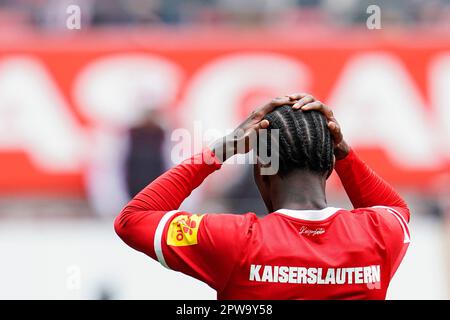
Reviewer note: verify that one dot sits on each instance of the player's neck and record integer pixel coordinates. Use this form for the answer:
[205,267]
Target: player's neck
[299,191]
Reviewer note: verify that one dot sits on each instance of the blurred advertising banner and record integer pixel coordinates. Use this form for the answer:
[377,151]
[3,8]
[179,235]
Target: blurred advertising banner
[62,99]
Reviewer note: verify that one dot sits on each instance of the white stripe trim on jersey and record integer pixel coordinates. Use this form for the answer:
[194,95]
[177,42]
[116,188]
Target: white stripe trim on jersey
[400,219]
[157,241]
[311,215]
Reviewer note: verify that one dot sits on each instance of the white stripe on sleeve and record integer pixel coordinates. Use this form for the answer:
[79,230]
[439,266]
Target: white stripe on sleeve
[400,219]
[157,242]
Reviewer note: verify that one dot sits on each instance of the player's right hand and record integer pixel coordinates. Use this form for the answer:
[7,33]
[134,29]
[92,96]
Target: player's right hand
[307,102]
[240,140]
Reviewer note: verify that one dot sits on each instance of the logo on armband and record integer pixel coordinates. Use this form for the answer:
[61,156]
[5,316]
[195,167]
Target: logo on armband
[183,230]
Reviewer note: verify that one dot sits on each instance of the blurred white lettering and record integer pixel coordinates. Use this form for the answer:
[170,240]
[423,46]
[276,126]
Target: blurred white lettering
[378,105]
[35,118]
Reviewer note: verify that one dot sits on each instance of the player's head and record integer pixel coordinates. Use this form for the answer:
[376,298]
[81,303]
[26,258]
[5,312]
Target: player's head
[305,146]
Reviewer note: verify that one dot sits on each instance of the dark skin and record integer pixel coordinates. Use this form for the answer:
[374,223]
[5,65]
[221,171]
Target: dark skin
[300,189]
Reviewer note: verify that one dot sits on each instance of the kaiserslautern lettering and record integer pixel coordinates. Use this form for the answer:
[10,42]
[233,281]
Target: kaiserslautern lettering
[302,275]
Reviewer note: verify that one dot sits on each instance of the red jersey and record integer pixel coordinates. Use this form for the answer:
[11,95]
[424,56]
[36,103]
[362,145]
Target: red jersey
[289,254]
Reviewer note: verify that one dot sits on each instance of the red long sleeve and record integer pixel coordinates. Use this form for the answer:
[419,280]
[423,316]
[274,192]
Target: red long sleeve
[169,190]
[210,244]
[165,193]
[364,187]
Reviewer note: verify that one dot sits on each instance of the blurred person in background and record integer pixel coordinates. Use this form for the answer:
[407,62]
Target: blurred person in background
[124,159]
[144,160]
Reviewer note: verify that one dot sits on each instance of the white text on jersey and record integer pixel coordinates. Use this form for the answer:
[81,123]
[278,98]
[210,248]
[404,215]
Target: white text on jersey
[302,275]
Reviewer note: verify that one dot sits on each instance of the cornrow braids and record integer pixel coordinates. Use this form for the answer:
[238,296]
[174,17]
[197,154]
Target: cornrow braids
[304,140]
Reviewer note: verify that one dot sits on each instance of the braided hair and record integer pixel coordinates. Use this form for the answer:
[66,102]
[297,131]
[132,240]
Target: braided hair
[304,140]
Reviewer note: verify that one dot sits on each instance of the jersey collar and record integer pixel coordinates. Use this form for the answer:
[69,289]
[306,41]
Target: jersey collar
[310,215]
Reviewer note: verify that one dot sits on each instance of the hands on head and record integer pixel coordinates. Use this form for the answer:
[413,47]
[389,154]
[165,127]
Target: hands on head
[226,147]
[307,102]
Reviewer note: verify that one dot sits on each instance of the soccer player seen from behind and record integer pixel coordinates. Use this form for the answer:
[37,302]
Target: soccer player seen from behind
[302,249]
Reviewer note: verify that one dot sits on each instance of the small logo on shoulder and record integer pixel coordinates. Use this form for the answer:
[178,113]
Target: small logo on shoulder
[183,230]
[307,231]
